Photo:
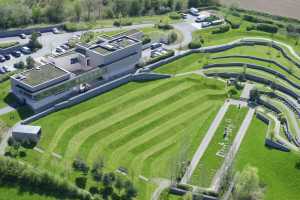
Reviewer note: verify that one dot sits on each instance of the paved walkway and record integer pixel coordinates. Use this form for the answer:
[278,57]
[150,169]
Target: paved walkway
[6,110]
[162,185]
[233,150]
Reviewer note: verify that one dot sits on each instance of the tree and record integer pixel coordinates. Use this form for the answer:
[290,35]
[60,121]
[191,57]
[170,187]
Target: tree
[77,10]
[135,8]
[55,11]
[89,5]
[248,185]
[81,182]
[33,43]
[30,62]
[119,185]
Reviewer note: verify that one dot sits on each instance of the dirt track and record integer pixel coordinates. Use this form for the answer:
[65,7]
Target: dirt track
[289,8]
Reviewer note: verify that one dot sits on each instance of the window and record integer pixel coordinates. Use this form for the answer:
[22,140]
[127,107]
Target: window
[88,62]
[74,61]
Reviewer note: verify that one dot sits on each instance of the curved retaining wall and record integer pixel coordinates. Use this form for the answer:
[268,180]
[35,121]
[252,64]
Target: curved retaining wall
[254,66]
[256,79]
[260,59]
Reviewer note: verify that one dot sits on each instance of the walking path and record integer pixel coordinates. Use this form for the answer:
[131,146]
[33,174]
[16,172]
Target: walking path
[162,185]
[6,110]
[233,150]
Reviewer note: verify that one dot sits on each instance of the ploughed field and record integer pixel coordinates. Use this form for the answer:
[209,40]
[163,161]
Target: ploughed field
[143,127]
[287,8]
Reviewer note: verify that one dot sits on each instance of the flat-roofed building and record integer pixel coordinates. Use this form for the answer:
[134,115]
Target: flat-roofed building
[64,74]
[26,133]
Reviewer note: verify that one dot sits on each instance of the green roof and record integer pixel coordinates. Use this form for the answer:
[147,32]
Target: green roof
[42,74]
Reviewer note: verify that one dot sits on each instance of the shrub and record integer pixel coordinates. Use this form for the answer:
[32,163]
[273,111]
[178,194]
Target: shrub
[195,44]
[164,26]
[222,29]
[146,39]
[266,28]
[175,15]
[122,22]
[72,27]
[80,165]
[172,37]
[254,19]
[81,182]
[19,65]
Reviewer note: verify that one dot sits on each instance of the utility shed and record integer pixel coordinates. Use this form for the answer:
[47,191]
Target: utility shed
[26,132]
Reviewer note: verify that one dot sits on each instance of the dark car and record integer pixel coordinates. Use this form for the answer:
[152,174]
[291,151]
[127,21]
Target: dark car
[7,56]
[16,54]
[2,58]
[6,69]
[156,45]
[2,71]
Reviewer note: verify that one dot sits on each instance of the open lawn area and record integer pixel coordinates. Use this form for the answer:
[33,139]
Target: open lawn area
[143,127]
[278,170]
[219,145]
[15,193]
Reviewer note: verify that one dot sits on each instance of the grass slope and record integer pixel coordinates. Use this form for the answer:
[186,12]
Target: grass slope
[278,170]
[139,126]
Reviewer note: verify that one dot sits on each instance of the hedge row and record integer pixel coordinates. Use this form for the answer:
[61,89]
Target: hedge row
[13,173]
[263,27]
[170,53]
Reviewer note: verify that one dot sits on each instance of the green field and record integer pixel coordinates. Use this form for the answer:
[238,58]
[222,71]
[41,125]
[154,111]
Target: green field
[15,193]
[210,162]
[278,170]
[139,126]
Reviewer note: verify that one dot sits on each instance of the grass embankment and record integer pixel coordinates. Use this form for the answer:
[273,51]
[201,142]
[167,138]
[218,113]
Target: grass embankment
[4,45]
[278,170]
[140,126]
[14,193]
[211,162]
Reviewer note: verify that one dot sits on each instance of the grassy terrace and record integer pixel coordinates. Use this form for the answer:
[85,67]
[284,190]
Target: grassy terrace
[211,162]
[15,193]
[278,170]
[140,126]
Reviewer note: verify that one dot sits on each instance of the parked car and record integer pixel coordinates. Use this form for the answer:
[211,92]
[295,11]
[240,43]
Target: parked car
[16,54]
[22,36]
[183,15]
[2,58]
[2,71]
[55,31]
[194,11]
[65,47]
[39,33]
[155,45]
[6,69]
[26,50]
[205,24]
[59,50]
[7,56]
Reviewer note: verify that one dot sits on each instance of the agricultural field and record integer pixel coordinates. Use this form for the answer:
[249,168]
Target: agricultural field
[143,127]
[278,171]
[286,8]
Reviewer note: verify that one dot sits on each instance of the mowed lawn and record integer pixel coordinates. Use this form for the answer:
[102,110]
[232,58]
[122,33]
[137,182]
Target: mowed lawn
[211,162]
[7,193]
[278,170]
[139,126]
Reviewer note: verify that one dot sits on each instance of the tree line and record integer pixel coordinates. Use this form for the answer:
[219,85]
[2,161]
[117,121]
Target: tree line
[24,12]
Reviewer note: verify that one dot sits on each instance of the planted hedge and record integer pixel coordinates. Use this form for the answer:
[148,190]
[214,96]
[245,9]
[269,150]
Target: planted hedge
[13,173]
[222,29]
[263,27]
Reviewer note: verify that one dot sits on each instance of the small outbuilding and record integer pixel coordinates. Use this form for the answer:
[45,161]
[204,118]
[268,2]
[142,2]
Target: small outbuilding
[26,132]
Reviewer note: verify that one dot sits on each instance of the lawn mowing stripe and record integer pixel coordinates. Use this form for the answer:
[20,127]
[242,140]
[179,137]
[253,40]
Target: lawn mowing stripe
[178,130]
[119,153]
[137,120]
[192,130]
[146,127]
[106,144]
[74,142]
[123,99]
[110,112]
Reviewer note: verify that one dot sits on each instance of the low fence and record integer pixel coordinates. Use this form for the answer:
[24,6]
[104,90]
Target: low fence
[17,32]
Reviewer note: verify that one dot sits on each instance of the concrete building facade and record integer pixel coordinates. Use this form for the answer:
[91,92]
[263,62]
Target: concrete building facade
[77,70]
